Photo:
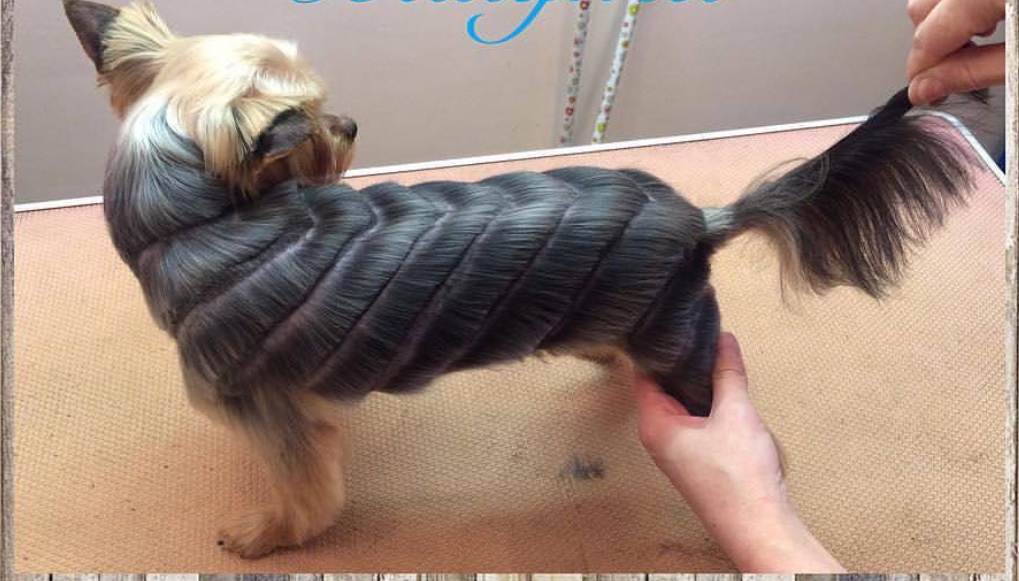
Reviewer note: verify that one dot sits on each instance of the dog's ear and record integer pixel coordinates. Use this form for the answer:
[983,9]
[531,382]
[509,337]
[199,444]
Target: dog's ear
[297,144]
[90,21]
[127,45]
[288,130]
[240,141]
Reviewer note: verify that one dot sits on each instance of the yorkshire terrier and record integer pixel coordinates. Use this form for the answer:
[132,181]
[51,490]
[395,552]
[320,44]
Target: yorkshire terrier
[289,292]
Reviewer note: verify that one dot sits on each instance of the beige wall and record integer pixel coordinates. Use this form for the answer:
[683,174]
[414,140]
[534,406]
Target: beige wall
[421,89]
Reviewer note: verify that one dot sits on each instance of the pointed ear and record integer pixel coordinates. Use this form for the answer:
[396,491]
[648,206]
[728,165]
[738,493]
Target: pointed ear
[288,130]
[90,21]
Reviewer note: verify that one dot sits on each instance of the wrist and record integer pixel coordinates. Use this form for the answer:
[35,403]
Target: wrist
[768,536]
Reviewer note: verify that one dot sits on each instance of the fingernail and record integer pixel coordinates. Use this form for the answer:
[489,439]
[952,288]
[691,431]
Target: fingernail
[928,90]
[727,338]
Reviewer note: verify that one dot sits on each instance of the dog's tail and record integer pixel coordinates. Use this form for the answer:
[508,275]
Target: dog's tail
[850,215]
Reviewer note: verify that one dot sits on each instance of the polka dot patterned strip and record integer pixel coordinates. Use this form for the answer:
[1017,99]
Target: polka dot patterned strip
[576,61]
[612,86]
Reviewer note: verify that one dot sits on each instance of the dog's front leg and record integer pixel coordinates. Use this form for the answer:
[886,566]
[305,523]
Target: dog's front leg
[299,439]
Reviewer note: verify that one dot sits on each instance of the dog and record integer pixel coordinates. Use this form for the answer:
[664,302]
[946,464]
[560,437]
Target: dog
[289,293]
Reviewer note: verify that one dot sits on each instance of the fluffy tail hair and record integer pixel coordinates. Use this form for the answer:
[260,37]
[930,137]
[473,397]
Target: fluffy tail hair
[851,215]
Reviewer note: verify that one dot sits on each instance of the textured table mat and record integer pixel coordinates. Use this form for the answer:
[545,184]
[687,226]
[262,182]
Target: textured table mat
[891,413]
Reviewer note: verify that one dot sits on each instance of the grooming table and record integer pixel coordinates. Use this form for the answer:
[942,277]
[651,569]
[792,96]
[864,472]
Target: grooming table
[891,413]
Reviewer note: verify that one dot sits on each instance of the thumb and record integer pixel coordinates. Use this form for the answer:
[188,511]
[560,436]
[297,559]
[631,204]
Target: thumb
[659,416]
[652,402]
[968,69]
[729,376]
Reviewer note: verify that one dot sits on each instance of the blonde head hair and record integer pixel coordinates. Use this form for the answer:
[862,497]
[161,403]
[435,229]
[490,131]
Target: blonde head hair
[223,92]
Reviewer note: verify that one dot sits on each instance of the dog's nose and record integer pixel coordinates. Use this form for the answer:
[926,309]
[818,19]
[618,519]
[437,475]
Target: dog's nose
[347,127]
[344,126]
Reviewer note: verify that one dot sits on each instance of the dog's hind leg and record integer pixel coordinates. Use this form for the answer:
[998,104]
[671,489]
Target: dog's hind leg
[299,439]
[677,348]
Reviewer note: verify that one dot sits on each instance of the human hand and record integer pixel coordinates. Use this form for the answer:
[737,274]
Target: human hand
[729,469]
[942,60]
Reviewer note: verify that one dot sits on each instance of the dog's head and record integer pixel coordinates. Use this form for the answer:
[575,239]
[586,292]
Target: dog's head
[251,104]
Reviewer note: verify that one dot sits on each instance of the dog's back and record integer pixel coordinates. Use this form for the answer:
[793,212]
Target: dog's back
[342,292]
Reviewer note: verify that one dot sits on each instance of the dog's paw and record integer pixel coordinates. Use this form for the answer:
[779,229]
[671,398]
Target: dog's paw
[254,535]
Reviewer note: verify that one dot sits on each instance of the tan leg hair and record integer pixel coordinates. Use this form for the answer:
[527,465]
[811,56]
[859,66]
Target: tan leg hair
[605,355]
[299,439]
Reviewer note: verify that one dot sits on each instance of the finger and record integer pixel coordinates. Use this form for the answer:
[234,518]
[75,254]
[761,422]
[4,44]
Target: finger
[659,415]
[729,376]
[972,68]
[919,9]
[652,402]
[948,27]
